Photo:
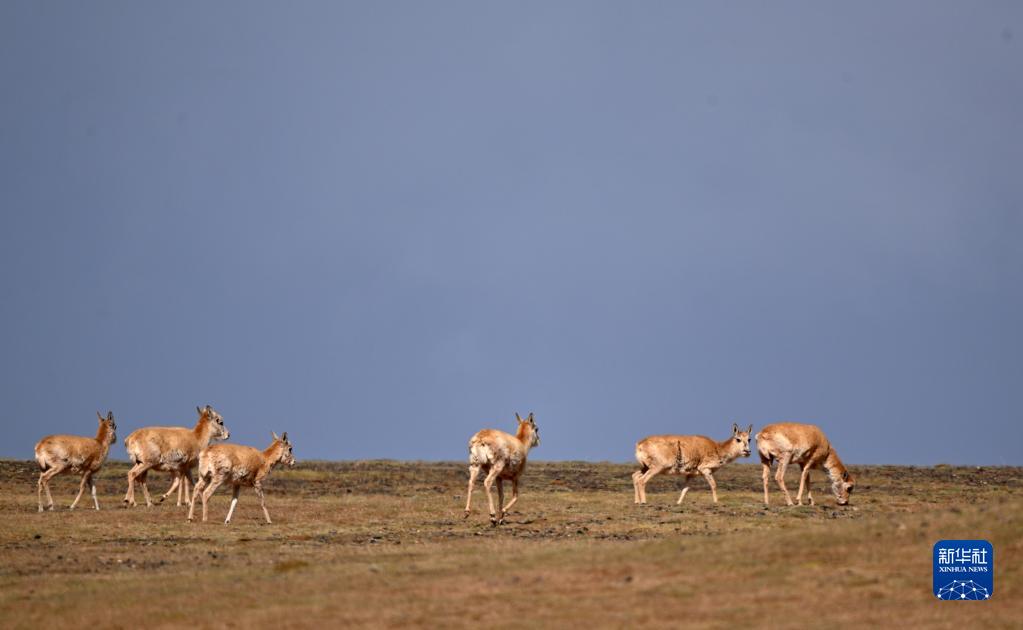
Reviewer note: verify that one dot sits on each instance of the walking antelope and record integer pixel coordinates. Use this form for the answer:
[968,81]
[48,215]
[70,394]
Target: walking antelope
[75,454]
[806,446]
[686,455]
[502,456]
[171,449]
[239,466]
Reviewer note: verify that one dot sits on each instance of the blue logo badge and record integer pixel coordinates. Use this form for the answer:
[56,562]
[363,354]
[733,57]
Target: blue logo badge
[964,569]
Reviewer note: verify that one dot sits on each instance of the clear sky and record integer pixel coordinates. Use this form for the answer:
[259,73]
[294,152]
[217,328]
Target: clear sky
[382,226]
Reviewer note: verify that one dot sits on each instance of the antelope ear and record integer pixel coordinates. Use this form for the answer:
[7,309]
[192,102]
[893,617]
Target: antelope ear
[274,433]
[750,429]
[199,410]
[735,428]
[284,437]
[110,416]
[100,416]
[530,418]
[517,417]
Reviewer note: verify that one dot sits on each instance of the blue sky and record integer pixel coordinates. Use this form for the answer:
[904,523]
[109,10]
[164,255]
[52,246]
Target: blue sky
[382,226]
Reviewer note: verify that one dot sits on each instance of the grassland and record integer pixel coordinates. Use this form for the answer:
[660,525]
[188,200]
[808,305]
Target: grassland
[385,544]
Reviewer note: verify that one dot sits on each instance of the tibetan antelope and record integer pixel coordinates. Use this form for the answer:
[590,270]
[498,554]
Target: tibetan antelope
[239,466]
[686,455]
[502,456]
[75,454]
[806,446]
[171,449]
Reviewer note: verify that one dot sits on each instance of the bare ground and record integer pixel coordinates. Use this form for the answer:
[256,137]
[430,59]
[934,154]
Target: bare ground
[384,544]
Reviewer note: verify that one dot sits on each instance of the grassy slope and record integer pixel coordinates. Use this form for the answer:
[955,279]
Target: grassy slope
[384,543]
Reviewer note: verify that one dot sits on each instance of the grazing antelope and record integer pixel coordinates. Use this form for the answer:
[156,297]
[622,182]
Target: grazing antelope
[502,456]
[686,455]
[171,449]
[239,466]
[806,446]
[75,454]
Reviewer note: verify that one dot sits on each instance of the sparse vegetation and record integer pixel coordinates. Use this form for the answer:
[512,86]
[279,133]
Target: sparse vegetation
[384,544]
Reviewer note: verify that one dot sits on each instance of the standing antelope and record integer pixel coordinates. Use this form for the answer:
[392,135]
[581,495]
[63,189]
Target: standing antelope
[171,449]
[72,453]
[686,455]
[240,466]
[806,446]
[502,456]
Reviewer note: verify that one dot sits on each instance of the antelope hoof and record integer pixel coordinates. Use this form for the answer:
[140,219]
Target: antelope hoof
[466,514]
[41,510]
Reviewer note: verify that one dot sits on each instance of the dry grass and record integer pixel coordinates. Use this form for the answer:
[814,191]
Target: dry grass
[384,544]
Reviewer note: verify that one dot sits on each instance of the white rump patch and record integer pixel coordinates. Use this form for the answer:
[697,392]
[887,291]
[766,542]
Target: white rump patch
[481,455]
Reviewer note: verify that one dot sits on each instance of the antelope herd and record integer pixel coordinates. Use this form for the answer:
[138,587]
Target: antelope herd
[498,455]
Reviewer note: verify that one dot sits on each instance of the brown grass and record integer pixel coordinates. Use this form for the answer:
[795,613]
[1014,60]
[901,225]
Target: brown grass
[384,544]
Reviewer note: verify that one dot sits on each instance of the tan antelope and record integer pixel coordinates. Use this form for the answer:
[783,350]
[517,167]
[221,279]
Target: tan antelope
[56,454]
[686,455]
[171,449]
[805,446]
[502,456]
[239,466]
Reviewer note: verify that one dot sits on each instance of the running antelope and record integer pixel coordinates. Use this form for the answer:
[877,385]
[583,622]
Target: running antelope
[806,446]
[75,454]
[686,455]
[239,466]
[502,456]
[171,449]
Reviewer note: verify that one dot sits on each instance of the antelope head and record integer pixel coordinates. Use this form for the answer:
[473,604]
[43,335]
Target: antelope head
[220,431]
[740,439]
[528,427]
[286,456]
[843,487]
[110,425]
